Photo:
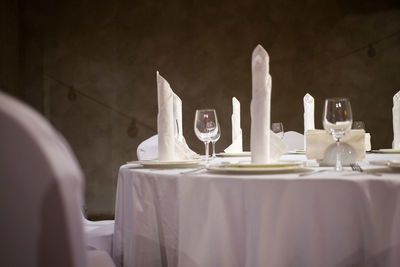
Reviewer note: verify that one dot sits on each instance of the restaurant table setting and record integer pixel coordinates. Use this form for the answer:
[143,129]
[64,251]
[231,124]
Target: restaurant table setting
[335,203]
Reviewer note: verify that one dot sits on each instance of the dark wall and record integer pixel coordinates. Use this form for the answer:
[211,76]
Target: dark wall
[92,66]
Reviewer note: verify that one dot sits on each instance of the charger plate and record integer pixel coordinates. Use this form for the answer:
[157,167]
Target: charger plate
[248,167]
[167,164]
[387,151]
[237,154]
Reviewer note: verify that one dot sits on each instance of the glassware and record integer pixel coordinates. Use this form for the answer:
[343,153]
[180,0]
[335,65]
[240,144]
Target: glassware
[214,139]
[206,126]
[358,125]
[337,121]
[277,127]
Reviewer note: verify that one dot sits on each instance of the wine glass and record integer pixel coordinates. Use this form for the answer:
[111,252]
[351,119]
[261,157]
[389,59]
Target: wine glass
[337,120]
[206,126]
[277,127]
[214,139]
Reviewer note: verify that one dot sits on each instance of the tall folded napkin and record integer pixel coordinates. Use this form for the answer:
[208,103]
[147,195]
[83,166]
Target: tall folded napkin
[308,102]
[178,117]
[165,120]
[396,121]
[237,139]
[260,137]
[171,143]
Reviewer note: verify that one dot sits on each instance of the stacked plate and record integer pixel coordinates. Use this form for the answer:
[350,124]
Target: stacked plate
[246,167]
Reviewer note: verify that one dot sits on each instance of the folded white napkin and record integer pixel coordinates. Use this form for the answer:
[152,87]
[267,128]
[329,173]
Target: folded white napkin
[165,120]
[396,121]
[262,149]
[237,139]
[321,146]
[171,143]
[178,118]
[308,102]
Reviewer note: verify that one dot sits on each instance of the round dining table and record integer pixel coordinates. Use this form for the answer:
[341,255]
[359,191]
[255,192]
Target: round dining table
[307,216]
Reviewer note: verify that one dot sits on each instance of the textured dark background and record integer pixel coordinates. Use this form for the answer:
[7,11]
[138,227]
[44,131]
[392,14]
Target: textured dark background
[90,67]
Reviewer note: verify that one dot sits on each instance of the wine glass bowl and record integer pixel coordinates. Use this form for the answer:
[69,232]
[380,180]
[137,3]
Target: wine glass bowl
[337,121]
[206,126]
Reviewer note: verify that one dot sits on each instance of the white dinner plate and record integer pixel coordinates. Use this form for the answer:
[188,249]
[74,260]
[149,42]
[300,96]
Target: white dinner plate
[387,151]
[167,164]
[379,162]
[237,154]
[248,167]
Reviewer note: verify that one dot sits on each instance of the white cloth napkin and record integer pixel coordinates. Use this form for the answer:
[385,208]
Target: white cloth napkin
[165,120]
[264,149]
[171,143]
[396,121]
[308,102]
[320,144]
[237,139]
[178,118]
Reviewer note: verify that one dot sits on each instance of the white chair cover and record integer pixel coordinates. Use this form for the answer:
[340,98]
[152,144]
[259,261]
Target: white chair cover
[99,234]
[294,140]
[41,192]
[148,149]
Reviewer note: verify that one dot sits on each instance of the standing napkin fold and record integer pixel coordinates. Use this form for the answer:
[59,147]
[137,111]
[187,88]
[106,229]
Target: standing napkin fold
[178,117]
[396,121]
[262,149]
[237,139]
[171,144]
[165,120]
[308,102]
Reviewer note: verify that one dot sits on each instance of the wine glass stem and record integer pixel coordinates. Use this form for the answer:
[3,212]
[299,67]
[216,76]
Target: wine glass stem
[338,167]
[213,152]
[206,146]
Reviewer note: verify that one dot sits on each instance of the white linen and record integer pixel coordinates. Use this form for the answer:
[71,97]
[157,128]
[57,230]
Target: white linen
[237,138]
[322,147]
[396,121]
[308,103]
[178,117]
[164,218]
[262,150]
[171,144]
[165,120]
[99,234]
[41,191]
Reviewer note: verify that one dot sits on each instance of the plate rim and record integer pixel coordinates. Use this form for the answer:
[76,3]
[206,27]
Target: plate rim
[156,162]
[227,168]
[386,150]
[233,154]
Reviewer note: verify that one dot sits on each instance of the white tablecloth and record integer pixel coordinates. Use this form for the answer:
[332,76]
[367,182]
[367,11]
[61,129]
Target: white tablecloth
[165,218]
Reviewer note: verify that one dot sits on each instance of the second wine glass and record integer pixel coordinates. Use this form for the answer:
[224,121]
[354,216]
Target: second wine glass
[337,120]
[206,127]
